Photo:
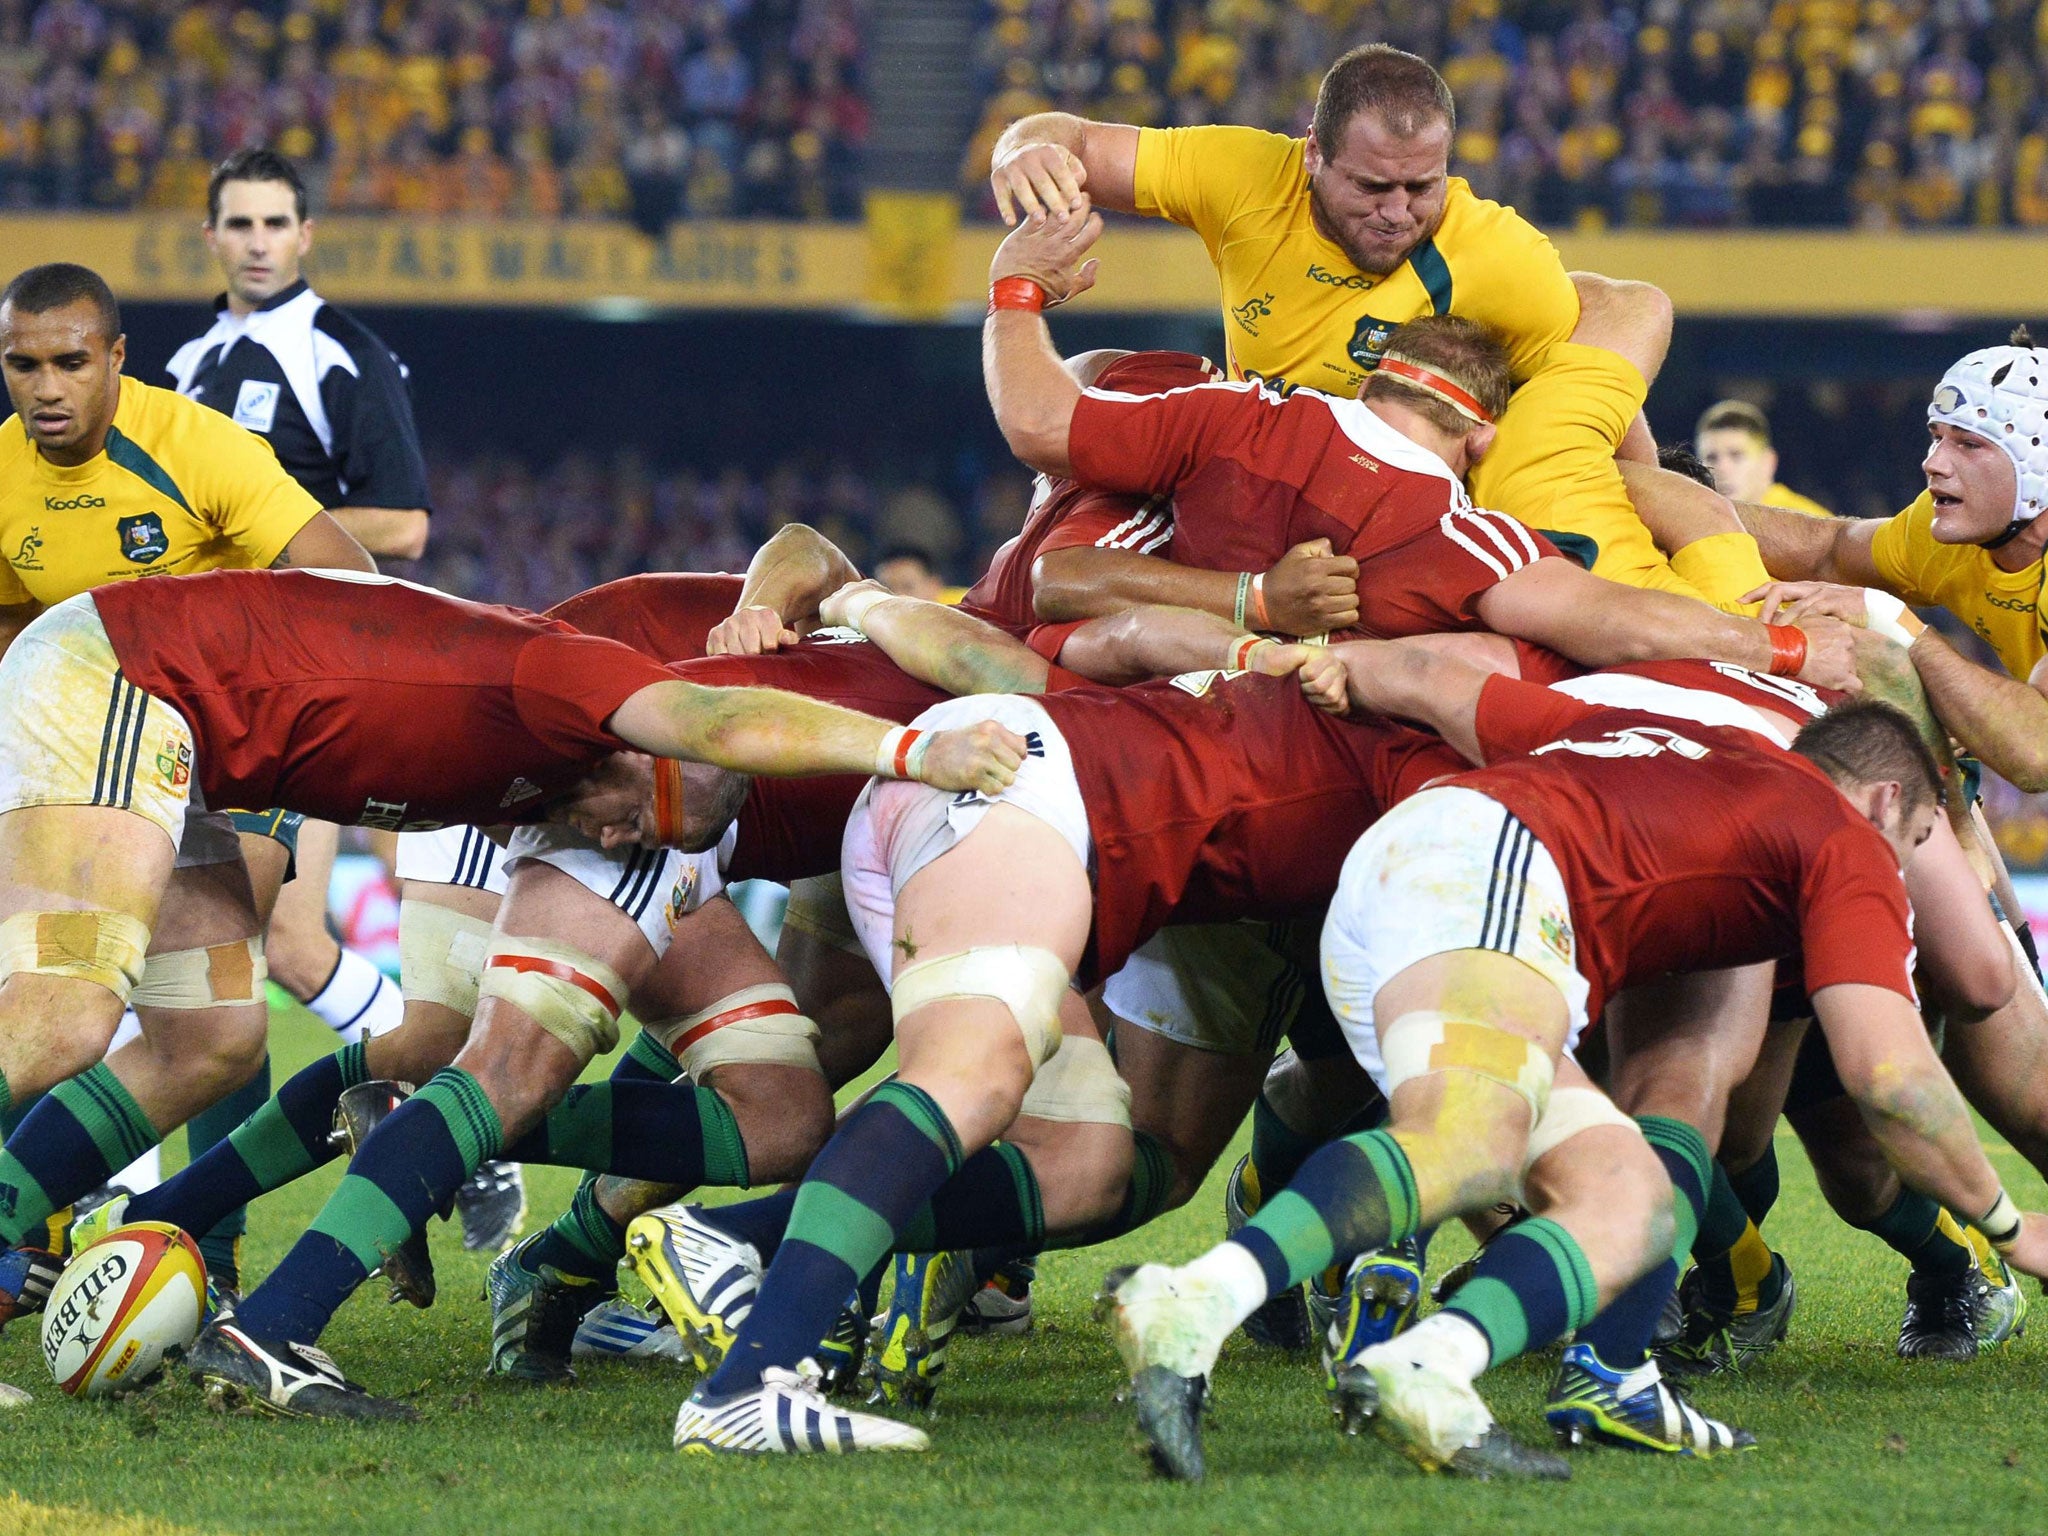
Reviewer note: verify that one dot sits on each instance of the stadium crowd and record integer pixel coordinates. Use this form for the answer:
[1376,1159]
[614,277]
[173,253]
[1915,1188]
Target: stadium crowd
[749,108]
[1877,114]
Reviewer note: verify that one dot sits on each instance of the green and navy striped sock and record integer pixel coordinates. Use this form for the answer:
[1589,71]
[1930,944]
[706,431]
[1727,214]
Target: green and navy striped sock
[877,1172]
[81,1133]
[1621,1334]
[1355,1194]
[408,1168]
[1533,1285]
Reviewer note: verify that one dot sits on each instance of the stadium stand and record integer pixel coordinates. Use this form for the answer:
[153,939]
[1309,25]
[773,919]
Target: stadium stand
[1877,114]
[748,108]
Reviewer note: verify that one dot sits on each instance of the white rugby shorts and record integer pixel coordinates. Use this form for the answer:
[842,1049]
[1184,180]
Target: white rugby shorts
[1448,869]
[656,887]
[453,856]
[1233,988]
[898,827]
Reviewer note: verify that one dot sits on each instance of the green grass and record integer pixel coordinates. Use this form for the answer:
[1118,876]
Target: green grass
[1029,1438]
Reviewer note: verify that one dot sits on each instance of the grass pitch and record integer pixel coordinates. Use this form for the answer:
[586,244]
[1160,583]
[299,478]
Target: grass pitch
[1028,1437]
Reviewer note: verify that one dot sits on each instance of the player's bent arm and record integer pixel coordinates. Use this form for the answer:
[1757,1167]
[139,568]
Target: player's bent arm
[389,533]
[1997,719]
[767,731]
[1042,162]
[1796,547]
[1155,641]
[936,644]
[1600,623]
[324,545]
[789,576]
[1906,1096]
[1089,583]
[1676,510]
[1030,389]
[14,618]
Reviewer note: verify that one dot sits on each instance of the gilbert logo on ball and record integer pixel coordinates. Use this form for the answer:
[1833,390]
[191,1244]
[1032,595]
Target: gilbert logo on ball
[120,1306]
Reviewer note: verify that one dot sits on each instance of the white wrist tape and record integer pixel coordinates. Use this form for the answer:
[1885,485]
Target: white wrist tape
[861,604]
[1887,616]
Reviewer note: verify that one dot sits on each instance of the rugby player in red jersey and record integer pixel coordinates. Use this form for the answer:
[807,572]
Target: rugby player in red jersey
[1253,474]
[1475,930]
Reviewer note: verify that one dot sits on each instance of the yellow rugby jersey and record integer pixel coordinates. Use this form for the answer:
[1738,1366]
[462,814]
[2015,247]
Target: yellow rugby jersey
[1295,309]
[2003,607]
[1784,496]
[178,488]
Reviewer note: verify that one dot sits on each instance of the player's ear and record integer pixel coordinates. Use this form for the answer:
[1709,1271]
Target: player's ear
[305,236]
[1479,439]
[1312,156]
[117,354]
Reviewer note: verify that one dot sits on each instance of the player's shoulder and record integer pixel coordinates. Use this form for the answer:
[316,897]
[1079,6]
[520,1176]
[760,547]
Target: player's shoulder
[15,447]
[154,417]
[364,346]
[1229,149]
[1488,244]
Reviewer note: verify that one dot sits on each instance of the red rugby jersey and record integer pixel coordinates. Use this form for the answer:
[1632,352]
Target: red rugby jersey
[666,614]
[790,829]
[1214,796]
[1066,514]
[369,701]
[1252,474]
[1690,848]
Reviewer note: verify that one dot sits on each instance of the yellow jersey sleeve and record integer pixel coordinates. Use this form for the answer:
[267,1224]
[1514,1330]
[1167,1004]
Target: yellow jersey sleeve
[1908,560]
[243,491]
[1508,276]
[1204,178]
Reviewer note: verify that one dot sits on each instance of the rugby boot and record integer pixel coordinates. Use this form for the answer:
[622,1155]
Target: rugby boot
[618,1330]
[492,1205]
[90,1223]
[295,1381]
[704,1278]
[1713,1340]
[1284,1321]
[2001,1304]
[1591,1404]
[26,1275]
[535,1314]
[785,1415]
[1168,1326]
[1438,1420]
[1381,1294]
[1003,1304]
[409,1268]
[907,1350]
[843,1352]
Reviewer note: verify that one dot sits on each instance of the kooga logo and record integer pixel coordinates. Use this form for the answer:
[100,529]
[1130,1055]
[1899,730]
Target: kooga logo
[76,503]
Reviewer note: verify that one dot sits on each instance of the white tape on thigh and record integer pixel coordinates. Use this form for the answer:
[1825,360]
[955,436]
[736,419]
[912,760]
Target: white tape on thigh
[1423,1043]
[101,947]
[1570,1111]
[573,996]
[1079,1086]
[751,1026]
[440,955]
[217,976]
[1029,982]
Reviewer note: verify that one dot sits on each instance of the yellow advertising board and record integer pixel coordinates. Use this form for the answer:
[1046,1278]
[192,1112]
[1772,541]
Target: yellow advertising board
[915,260]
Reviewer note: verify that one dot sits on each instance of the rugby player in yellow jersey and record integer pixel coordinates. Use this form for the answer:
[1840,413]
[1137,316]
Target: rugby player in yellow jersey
[1324,245]
[1733,439]
[1972,543]
[102,479]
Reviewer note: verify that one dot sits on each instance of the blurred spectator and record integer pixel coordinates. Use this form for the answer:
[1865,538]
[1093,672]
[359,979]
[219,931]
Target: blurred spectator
[908,572]
[472,108]
[1694,113]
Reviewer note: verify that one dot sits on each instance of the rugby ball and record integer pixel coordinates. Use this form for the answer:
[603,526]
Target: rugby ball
[120,1306]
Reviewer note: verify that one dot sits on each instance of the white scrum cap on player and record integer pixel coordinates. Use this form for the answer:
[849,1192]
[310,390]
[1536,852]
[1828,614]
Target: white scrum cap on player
[2001,393]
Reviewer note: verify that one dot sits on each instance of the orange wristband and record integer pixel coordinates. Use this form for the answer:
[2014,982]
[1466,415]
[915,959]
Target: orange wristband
[1260,618]
[668,801]
[1015,293]
[1788,649]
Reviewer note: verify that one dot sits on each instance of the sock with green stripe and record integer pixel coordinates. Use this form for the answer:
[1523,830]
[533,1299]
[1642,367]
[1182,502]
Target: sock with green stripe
[221,1246]
[1621,1334]
[1354,1194]
[78,1137]
[406,1170]
[1914,1228]
[288,1137]
[883,1164]
[992,1202]
[1278,1150]
[1533,1285]
[665,1133]
[1736,1269]
[584,1240]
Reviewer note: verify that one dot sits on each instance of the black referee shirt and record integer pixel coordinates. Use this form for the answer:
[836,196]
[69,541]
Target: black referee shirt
[333,400]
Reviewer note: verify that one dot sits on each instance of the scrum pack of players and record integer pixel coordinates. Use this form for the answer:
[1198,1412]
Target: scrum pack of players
[1265,727]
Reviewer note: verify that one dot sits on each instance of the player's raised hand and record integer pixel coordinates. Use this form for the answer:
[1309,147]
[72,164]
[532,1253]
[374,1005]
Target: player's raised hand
[983,757]
[1312,591]
[1049,252]
[1830,655]
[751,631]
[1787,602]
[1037,178]
[1324,680]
